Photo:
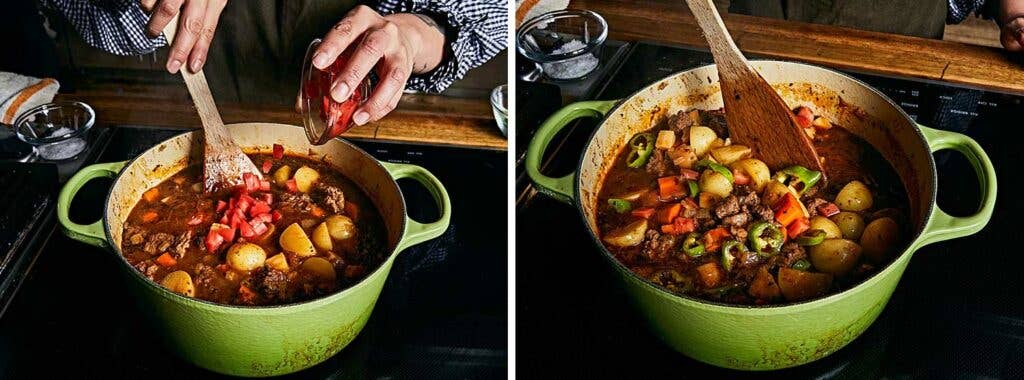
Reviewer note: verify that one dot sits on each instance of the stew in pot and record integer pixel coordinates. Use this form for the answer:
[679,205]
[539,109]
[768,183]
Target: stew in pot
[304,231]
[689,211]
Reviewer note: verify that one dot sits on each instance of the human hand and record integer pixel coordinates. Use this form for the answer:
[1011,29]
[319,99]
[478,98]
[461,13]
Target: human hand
[396,46]
[1011,20]
[196,27]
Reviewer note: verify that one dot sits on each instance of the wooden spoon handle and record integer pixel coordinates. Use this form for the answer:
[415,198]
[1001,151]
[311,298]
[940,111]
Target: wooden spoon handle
[213,125]
[717,36]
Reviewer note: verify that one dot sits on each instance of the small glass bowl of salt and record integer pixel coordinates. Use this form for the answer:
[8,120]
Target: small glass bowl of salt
[58,131]
[567,43]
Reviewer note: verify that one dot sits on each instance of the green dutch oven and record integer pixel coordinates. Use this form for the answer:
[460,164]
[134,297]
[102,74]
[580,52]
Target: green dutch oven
[277,339]
[779,336]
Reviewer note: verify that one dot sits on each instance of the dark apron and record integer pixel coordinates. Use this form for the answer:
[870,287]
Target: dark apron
[256,54]
[921,18]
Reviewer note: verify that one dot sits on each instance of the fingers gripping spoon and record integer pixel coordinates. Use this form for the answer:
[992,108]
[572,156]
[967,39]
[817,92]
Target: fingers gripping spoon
[223,161]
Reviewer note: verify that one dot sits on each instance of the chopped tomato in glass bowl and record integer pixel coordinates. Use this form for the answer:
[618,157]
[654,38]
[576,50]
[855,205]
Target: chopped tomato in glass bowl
[323,117]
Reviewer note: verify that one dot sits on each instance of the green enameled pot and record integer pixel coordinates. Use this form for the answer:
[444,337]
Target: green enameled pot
[769,337]
[255,341]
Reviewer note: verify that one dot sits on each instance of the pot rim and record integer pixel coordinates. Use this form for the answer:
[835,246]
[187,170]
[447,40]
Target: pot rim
[911,245]
[272,309]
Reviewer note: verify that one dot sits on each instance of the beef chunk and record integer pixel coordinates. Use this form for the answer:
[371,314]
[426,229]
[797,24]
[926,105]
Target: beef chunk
[658,246]
[158,243]
[728,206]
[812,205]
[738,232]
[295,203]
[659,164]
[332,197]
[209,279]
[680,123]
[747,196]
[704,219]
[716,121]
[271,283]
[182,243]
[791,252]
[148,268]
[762,212]
[136,235]
[737,220]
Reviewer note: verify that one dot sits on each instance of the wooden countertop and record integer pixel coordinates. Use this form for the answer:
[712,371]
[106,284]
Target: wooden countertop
[837,47]
[424,119]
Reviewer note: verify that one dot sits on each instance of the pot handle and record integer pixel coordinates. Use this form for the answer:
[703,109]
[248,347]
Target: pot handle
[559,188]
[92,234]
[943,226]
[416,232]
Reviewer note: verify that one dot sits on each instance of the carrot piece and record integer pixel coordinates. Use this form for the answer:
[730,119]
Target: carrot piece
[713,239]
[643,213]
[709,274]
[150,216]
[798,227]
[669,187]
[352,210]
[151,195]
[317,211]
[679,226]
[166,260]
[667,214]
[788,210]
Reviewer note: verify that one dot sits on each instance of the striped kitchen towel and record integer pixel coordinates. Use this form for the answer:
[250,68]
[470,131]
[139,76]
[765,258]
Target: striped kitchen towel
[19,93]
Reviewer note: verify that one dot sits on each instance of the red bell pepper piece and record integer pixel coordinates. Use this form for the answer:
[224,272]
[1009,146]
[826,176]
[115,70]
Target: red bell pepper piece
[788,210]
[798,227]
[275,216]
[644,213]
[828,209]
[679,226]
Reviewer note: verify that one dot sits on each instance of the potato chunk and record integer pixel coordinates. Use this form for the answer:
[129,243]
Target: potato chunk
[179,282]
[320,268]
[245,257]
[293,239]
[322,238]
[305,177]
[282,174]
[340,227]
[629,235]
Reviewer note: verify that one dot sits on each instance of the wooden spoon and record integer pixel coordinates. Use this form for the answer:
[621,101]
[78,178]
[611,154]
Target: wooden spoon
[757,117]
[223,161]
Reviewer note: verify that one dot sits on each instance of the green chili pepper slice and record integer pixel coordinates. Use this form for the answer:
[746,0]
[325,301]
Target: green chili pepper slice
[718,168]
[642,146]
[692,245]
[765,238]
[620,206]
[727,248]
[802,264]
[799,177]
[694,189]
[811,237]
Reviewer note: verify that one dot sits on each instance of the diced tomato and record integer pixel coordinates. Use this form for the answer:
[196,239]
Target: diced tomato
[267,198]
[265,217]
[259,208]
[740,178]
[275,216]
[689,174]
[258,227]
[223,268]
[221,206]
[278,151]
[197,219]
[828,209]
[804,116]
[264,185]
[231,203]
[644,213]
[252,183]
[242,205]
[245,229]
[292,187]
[213,241]
[798,227]
[267,165]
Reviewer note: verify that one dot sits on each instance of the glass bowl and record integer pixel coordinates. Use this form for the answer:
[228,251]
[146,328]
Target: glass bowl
[323,117]
[499,105]
[58,131]
[567,43]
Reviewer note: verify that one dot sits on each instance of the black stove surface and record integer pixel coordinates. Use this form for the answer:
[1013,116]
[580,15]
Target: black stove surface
[442,313]
[957,312]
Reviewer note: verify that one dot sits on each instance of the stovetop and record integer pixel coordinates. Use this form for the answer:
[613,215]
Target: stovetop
[442,313]
[957,312]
